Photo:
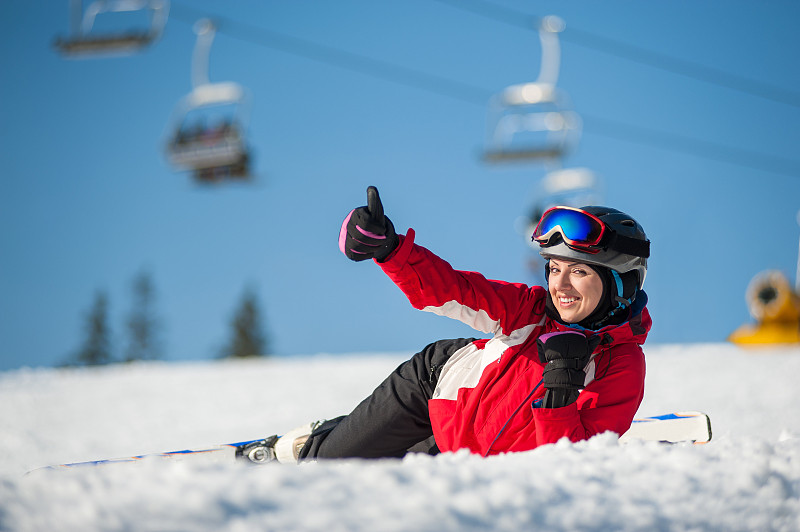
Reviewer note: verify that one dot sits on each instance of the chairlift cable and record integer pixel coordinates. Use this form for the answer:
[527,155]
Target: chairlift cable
[692,146]
[632,52]
[479,96]
[344,59]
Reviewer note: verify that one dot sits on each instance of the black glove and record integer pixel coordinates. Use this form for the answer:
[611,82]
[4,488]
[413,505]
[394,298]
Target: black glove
[366,233]
[565,355]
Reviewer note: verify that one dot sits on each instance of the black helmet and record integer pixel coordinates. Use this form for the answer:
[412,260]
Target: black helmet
[623,247]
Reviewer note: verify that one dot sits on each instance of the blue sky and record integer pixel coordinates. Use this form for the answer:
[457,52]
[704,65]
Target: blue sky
[87,200]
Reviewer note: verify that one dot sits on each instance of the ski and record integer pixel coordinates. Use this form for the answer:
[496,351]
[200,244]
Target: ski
[672,428]
[252,451]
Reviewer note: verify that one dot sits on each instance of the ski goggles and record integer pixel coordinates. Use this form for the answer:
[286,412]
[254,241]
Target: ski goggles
[579,229]
[585,232]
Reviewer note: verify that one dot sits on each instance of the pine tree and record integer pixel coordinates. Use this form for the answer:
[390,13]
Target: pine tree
[143,324]
[96,349]
[247,338]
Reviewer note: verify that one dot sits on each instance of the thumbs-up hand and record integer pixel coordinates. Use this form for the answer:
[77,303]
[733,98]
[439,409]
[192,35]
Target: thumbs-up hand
[367,233]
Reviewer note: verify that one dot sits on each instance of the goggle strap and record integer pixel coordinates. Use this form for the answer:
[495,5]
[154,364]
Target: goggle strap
[629,246]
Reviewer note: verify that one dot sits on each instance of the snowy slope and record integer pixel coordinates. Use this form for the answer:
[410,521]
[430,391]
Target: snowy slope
[747,478]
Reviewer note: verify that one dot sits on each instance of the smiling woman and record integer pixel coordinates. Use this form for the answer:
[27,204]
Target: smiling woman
[562,362]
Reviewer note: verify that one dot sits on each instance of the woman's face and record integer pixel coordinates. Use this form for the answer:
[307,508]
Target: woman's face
[576,289]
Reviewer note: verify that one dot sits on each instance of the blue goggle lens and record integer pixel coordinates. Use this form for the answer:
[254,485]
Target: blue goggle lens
[575,226]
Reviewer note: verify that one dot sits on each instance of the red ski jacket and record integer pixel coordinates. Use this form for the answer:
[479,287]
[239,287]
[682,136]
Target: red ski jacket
[485,395]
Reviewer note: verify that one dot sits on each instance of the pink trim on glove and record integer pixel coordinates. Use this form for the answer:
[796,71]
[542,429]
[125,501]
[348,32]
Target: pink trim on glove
[369,234]
[343,232]
[543,338]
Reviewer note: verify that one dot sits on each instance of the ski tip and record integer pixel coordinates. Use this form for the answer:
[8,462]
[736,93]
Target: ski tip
[672,427]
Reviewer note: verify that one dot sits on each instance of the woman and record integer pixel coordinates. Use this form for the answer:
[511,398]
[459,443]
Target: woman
[563,361]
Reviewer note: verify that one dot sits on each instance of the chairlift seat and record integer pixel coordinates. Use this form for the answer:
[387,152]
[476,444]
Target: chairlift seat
[197,153]
[526,125]
[209,148]
[121,43]
[85,41]
[523,154]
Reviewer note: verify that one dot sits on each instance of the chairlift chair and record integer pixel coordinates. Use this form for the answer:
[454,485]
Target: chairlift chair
[213,152]
[86,41]
[533,121]
[575,187]
[528,122]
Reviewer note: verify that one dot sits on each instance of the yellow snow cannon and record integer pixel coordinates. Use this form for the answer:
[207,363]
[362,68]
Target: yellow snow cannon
[776,308]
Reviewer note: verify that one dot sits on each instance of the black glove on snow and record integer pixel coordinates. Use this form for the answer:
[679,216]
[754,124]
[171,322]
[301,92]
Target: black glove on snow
[565,355]
[366,233]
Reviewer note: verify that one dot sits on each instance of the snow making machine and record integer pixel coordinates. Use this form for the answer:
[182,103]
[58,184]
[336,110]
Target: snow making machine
[776,309]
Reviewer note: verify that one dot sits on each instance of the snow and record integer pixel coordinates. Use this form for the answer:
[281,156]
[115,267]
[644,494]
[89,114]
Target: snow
[747,478]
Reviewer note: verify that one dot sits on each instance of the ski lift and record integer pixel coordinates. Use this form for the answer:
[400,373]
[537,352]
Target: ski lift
[206,134]
[533,121]
[574,187]
[85,40]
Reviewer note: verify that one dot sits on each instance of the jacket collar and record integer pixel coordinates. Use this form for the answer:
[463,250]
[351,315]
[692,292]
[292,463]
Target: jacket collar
[634,330]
